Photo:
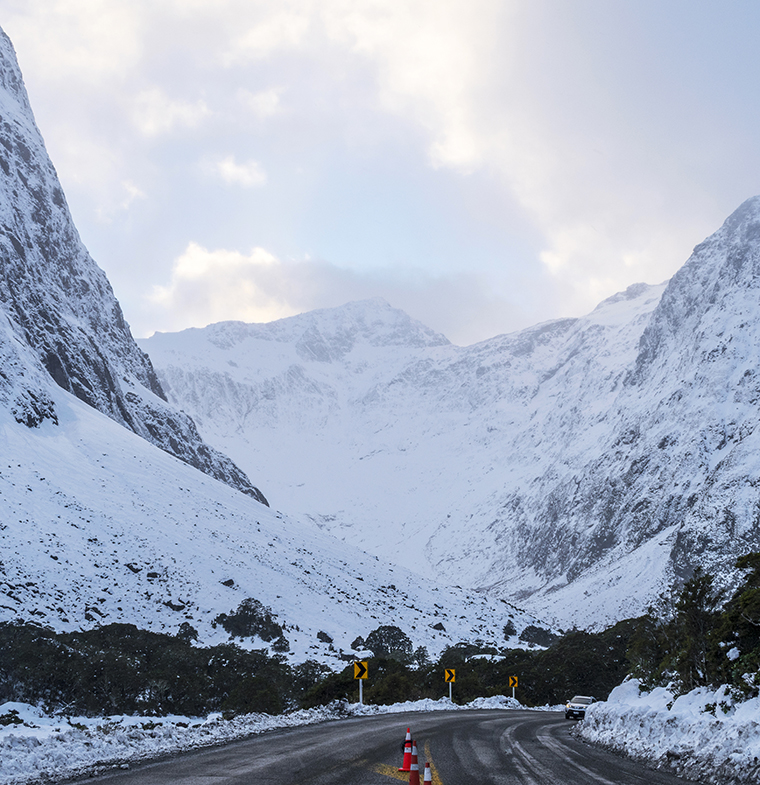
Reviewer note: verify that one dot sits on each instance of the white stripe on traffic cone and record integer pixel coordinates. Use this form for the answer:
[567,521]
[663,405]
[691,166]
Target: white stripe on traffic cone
[414,769]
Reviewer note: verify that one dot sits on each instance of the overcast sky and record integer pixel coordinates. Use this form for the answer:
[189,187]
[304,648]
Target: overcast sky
[482,164]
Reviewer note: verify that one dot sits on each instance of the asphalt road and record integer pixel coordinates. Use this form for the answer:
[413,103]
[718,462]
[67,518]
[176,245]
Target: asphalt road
[464,748]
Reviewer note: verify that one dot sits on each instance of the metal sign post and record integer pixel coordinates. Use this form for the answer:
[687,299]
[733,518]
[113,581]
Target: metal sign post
[450,676]
[361,670]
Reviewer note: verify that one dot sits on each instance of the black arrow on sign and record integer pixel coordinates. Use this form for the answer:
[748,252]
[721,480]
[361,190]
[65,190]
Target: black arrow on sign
[360,670]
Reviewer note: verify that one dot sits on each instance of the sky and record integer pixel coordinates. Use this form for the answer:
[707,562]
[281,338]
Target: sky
[484,165]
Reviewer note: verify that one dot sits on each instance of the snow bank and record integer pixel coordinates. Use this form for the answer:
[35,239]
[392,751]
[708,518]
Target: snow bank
[37,747]
[704,735]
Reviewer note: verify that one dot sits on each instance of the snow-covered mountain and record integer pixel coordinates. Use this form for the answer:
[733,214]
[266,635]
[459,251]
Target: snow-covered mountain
[57,302]
[100,526]
[577,467]
[104,514]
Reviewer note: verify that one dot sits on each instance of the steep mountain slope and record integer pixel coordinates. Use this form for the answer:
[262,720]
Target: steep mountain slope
[577,467]
[55,300]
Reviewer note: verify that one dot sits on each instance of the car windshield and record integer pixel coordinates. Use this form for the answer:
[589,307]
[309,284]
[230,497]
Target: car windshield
[581,699]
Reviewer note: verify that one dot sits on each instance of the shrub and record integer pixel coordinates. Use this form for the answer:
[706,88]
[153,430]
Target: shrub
[251,618]
[389,641]
[187,632]
[281,645]
[537,635]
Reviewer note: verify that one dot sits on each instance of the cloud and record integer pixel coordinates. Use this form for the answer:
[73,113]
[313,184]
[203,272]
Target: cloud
[154,113]
[270,28]
[90,41]
[263,104]
[248,174]
[526,95]
[208,286]
[432,59]
[130,194]
[611,139]
[133,192]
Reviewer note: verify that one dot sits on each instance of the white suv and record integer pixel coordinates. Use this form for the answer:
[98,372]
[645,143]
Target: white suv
[576,708]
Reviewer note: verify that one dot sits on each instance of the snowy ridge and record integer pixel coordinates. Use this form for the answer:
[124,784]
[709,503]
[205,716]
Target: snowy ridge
[576,467]
[329,334]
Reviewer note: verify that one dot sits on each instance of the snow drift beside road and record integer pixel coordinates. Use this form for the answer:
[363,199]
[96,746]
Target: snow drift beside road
[37,747]
[704,735]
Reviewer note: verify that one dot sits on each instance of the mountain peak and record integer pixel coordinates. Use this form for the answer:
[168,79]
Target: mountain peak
[375,322]
[748,212]
[327,334]
[11,81]
[634,291]
[717,278]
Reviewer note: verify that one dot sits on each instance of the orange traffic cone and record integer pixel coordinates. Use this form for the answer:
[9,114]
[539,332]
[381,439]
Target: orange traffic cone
[414,769]
[405,766]
[428,774]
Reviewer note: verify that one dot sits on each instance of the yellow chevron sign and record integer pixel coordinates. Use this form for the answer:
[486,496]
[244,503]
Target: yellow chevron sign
[361,669]
[513,681]
[450,674]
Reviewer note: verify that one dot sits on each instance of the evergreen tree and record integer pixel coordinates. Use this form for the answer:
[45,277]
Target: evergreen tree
[695,621]
[736,658]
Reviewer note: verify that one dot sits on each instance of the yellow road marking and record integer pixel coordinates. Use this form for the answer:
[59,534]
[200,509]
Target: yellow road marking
[433,770]
[390,771]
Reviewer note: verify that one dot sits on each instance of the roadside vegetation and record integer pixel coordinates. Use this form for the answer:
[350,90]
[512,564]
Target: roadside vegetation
[699,637]
[694,637]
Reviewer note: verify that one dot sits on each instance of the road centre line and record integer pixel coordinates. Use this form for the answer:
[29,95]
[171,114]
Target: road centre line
[391,771]
[433,770]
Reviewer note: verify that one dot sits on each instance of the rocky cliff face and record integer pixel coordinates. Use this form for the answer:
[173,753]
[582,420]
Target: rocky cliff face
[577,467]
[58,313]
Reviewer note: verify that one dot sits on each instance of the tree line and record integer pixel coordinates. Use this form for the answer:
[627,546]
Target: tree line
[691,637]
